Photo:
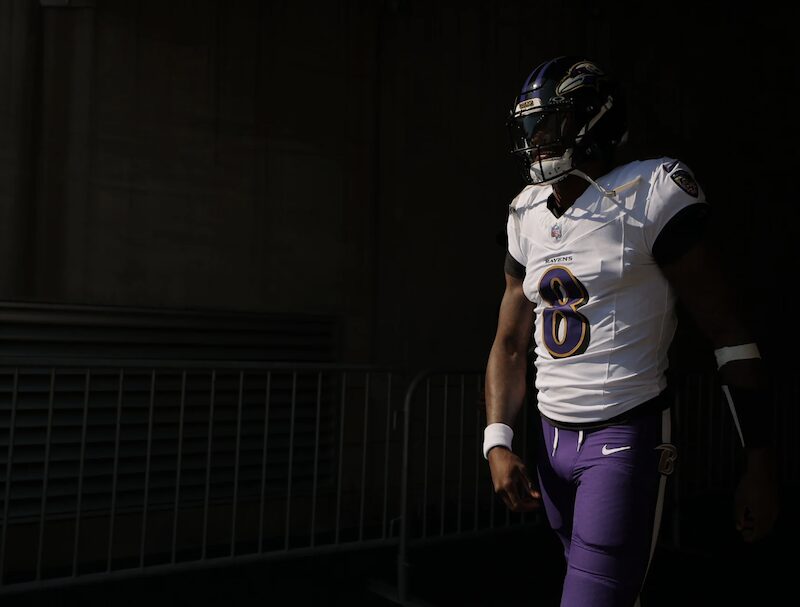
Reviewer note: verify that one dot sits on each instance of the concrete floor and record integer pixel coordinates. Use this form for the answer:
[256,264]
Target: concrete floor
[508,569]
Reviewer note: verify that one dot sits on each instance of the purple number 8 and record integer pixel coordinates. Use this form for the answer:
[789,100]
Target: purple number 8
[565,331]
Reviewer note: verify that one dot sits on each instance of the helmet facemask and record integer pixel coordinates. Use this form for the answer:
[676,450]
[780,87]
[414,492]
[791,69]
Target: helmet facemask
[544,139]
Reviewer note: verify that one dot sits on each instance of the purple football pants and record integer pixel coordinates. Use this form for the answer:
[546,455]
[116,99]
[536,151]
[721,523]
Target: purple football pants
[603,491]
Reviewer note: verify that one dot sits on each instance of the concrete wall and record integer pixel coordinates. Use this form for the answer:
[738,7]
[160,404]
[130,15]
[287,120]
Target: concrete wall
[350,158]
[203,155]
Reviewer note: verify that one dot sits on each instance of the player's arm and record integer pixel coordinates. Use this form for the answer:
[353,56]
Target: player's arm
[681,248]
[505,395]
[698,281]
[507,366]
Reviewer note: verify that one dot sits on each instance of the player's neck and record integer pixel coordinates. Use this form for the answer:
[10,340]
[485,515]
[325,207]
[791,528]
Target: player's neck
[567,191]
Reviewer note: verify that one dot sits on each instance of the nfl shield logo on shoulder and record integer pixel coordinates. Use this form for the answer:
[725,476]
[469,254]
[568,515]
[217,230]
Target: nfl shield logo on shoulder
[555,231]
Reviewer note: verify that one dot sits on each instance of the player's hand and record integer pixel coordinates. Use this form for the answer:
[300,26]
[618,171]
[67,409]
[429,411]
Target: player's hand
[757,502]
[511,481]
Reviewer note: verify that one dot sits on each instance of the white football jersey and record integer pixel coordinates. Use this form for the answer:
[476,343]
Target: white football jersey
[605,313]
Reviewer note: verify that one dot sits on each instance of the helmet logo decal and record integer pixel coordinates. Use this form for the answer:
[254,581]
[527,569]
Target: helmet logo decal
[685,182]
[582,74]
[528,104]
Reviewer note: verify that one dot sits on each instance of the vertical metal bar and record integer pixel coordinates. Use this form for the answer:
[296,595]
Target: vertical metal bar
[688,431]
[425,459]
[492,500]
[790,418]
[693,411]
[677,475]
[460,453]
[341,458]
[316,460]
[698,450]
[115,471]
[702,412]
[178,465]
[148,457]
[724,447]
[402,551]
[236,465]
[508,517]
[9,460]
[491,506]
[676,486]
[790,422]
[709,430]
[45,475]
[264,465]
[386,455]
[80,474]
[208,463]
[700,478]
[525,430]
[785,418]
[478,456]
[444,456]
[291,461]
[364,459]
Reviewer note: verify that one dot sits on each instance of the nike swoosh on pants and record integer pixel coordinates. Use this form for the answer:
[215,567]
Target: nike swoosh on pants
[607,451]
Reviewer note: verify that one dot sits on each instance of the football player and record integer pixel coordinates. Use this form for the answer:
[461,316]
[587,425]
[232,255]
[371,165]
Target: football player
[597,255]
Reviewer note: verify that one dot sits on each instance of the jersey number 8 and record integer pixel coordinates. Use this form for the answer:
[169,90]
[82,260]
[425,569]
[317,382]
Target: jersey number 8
[565,331]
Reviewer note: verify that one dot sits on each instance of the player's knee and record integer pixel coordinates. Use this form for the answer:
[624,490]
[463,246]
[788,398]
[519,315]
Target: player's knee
[622,562]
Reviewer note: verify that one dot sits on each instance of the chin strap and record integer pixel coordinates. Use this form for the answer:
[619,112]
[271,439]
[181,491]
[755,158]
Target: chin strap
[605,192]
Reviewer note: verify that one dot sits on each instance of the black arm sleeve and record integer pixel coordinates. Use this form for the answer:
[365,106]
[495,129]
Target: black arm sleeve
[513,267]
[682,232]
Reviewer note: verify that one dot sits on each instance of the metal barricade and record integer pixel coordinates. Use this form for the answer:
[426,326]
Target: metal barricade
[117,469]
[446,490]
[710,455]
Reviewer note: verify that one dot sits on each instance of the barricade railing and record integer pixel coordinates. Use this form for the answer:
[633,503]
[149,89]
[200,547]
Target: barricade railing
[710,456]
[114,469]
[447,491]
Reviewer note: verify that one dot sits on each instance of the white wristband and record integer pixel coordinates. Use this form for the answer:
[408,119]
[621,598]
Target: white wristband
[741,352]
[496,435]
